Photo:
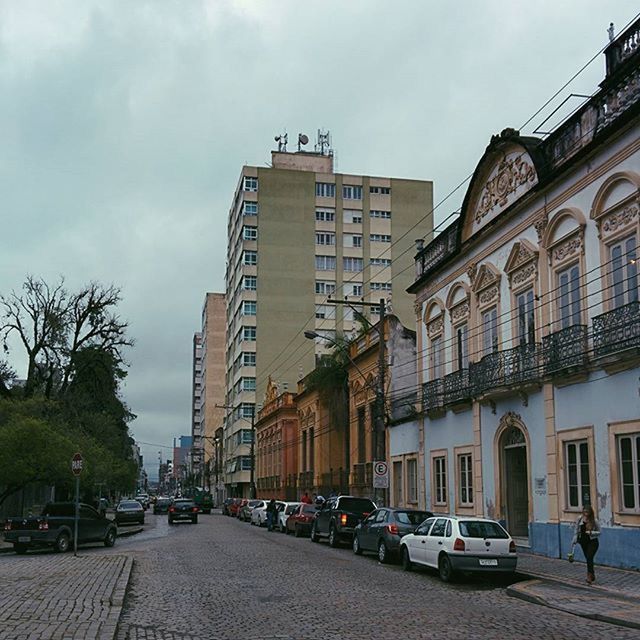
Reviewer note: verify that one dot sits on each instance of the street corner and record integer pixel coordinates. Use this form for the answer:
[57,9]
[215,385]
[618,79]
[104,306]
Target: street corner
[588,602]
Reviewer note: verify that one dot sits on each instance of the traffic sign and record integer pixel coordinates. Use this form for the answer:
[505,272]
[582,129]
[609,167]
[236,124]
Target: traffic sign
[76,464]
[380,475]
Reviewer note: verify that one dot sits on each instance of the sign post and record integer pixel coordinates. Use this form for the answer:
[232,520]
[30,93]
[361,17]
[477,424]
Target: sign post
[76,468]
[380,475]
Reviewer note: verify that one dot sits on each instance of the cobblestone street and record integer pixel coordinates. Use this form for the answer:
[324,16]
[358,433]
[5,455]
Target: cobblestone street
[223,579]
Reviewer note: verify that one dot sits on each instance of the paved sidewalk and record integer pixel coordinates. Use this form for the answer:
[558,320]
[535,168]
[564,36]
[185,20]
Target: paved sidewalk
[61,597]
[558,584]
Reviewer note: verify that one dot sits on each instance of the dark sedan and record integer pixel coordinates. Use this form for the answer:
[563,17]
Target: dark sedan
[183,509]
[162,505]
[129,511]
[383,529]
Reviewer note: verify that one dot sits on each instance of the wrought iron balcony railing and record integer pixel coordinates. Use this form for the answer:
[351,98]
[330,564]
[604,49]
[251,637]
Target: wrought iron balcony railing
[456,387]
[440,248]
[432,395]
[617,330]
[566,349]
[508,368]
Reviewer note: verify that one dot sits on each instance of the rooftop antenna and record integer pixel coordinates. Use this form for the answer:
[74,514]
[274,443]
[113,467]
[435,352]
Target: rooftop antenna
[323,146]
[302,140]
[282,141]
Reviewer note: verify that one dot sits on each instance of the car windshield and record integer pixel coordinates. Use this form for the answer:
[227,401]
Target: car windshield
[163,501]
[481,529]
[291,508]
[357,505]
[182,503]
[309,509]
[411,517]
[129,506]
[59,510]
[254,503]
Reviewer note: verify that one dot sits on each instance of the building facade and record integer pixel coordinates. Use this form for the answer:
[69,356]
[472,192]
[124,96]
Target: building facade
[529,329]
[298,233]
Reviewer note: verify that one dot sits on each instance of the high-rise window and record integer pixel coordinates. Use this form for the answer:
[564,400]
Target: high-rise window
[380,262]
[325,189]
[325,215]
[327,311]
[324,287]
[325,238]
[356,289]
[352,216]
[250,233]
[249,283]
[249,308]
[250,257]
[380,286]
[325,263]
[380,190]
[250,183]
[250,209]
[624,272]
[379,237]
[569,311]
[376,213]
[352,264]
[352,240]
[351,192]
[249,334]
[248,359]
[248,384]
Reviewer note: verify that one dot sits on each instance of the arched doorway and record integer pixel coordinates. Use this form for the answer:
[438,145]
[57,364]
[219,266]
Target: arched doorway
[515,480]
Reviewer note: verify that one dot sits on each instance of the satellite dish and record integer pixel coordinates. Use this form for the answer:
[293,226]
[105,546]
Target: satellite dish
[302,139]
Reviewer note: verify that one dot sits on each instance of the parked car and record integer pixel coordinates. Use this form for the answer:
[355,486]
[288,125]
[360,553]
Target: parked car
[259,513]
[143,499]
[236,505]
[225,506]
[284,511]
[183,509]
[338,518]
[245,512]
[54,528]
[162,505]
[382,531]
[454,544]
[301,520]
[129,511]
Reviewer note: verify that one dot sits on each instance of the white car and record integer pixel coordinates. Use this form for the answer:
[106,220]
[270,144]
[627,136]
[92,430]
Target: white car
[284,511]
[259,513]
[457,543]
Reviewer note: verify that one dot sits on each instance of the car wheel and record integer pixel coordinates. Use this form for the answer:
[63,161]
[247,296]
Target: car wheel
[314,533]
[20,548]
[62,543]
[407,565]
[357,549]
[445,569]
[334,541]
[383,552]
[110,538]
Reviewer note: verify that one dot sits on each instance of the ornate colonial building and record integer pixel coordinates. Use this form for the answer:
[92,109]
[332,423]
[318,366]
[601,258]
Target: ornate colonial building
[529,329]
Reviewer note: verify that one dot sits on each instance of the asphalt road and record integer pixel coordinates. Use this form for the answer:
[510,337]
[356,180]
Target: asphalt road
[223,579]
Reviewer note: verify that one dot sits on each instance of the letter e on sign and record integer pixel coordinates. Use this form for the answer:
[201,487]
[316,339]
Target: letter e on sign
[76,464]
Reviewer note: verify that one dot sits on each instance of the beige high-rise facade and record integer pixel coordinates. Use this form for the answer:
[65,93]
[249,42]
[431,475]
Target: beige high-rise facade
[298,235]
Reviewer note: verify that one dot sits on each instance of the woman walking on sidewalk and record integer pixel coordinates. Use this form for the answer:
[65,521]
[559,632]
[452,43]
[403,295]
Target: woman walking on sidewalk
[586,534]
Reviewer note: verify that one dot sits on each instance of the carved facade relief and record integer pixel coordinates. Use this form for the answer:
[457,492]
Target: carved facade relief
[524,275]
[622,218]
[460,311]
[540,226]
[489,295]
[568,248]
[435,327]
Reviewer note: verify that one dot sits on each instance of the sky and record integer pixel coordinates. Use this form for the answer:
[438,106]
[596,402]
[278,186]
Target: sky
[124,126]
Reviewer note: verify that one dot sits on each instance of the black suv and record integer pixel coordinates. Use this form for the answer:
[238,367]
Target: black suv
[338,518]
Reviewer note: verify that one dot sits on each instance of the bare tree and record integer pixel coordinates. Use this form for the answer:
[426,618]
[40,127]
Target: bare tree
[38,317]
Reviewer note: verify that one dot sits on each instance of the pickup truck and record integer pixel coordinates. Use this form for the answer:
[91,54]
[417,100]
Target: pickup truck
[54,528]
[338,518]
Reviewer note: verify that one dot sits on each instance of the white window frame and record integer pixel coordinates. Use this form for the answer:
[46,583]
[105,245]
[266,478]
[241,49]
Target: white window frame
[325,189]
[635,471]
[249,233]
[440,480]
[351,192]
[378,213]
[325,260]
[350,263]
[379,237]
[490,339]
[250,183]
[411,468]
[249,283]
[245,333]
[569,296]
[325,238]
[325,215]
[526,316]
[465,479]
[249,303]
[579,446]
[623,271]
[325,287]
[247,205]
[250,258]
[380,262]
[248,358]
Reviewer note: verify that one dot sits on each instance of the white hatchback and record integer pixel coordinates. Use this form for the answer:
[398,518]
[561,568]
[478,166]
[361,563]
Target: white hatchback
[454,544]
[284,511]
[259,513]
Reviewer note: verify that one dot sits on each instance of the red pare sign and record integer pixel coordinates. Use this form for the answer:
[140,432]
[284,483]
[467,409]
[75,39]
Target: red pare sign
[76,464]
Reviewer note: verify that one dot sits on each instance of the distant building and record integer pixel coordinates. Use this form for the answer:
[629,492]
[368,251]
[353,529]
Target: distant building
[297,233]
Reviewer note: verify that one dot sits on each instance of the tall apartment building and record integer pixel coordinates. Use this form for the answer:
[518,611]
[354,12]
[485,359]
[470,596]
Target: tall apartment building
[208,389]
[298,233]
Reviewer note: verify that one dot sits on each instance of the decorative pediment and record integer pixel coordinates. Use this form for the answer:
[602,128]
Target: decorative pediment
[271,392]
[508,169]
[486,277]
[521,254]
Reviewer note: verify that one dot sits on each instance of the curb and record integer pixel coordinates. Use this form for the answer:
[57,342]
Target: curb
[130,532]
[116,601]
[521,592]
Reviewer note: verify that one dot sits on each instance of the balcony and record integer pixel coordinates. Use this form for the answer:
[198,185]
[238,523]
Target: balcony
[566,350]
[617,332]
[457,390]
[437,251]
[432,395]
[501,371]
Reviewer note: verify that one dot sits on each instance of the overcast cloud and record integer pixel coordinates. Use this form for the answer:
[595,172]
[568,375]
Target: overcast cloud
[124,125]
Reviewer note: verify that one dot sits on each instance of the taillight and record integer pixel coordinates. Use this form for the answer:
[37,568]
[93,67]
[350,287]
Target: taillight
[458,545]
[43,526]
[512,547]
[172,509]
[195,509]
[343,519]
[393,529]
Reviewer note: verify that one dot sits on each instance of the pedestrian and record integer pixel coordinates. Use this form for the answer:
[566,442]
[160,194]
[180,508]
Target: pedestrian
[333,494]
[586,534]
[305,498]
[271,513]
